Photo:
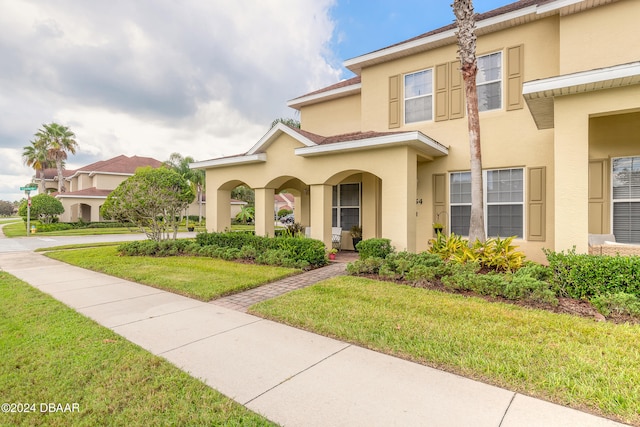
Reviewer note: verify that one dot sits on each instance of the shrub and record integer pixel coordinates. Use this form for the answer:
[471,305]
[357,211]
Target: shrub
[369,265]
[449,247]
[586,276]
[526,287]
[299,251]
[229,239]
[311,251]
[248,252]
[56,226]
[398,265]
[379,248]
[422,274]
[154,248]
[284,212]
[495,254]
[620,303]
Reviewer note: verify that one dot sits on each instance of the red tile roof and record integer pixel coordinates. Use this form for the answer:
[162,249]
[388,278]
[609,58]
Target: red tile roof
[120,164]
[353,136]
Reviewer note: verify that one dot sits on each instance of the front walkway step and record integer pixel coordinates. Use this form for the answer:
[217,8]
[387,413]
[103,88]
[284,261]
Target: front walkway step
[244,300]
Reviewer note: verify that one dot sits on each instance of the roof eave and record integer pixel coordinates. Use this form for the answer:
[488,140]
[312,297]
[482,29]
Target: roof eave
[298,103]
[229,161]
[439,39]
[416,139]
[539,94]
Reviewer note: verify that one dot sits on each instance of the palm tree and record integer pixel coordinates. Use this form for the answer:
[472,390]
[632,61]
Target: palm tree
[59,141]
[195,177]
[466,23]
[35,156]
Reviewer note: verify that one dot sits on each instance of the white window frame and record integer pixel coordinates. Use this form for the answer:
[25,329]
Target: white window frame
[488,82]
[339,207]
[409,98]
[613,200]
[486,204]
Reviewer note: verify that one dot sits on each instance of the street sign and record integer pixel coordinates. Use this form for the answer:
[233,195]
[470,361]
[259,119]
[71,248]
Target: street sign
[29,188]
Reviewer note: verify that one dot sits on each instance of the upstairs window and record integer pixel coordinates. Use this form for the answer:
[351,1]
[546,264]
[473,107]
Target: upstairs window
[418,96]
[489,82]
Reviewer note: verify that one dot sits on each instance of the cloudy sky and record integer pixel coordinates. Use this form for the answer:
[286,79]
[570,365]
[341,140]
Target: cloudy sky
[204,78]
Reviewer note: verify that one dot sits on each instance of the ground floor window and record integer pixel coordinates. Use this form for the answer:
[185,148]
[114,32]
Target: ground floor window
[626,199]
[346,205]
[503,202]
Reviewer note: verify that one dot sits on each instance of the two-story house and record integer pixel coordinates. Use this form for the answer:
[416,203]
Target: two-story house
[89,186]
[559,99]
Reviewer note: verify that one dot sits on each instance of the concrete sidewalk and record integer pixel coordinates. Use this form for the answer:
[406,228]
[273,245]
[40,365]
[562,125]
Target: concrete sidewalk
[292,377]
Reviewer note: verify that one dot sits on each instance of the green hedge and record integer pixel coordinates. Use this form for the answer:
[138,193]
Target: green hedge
[284,251]
[586,276]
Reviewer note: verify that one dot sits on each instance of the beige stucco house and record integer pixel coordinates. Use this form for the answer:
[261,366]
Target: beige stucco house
[559,90]
[89,186]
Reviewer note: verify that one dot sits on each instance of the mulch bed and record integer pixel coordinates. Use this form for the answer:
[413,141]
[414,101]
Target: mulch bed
[570,306]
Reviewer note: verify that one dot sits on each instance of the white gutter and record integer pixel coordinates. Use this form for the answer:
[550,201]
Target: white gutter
[228,161]
[330,94]
[414,138]
[547,87]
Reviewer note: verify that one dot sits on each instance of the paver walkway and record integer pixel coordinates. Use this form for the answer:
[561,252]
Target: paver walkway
[244,300]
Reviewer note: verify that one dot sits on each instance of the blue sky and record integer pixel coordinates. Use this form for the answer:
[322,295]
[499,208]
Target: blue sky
[202,78]
[365,26]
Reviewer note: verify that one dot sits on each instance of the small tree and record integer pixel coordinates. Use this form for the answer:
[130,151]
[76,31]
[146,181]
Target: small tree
[246,214]
[43,207]
[292,123]
[153,200]
[6,208]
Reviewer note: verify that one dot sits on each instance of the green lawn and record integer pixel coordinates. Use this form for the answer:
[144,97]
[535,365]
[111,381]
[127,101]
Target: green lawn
[18,229]
[196,277]
[51,354]
[572,361]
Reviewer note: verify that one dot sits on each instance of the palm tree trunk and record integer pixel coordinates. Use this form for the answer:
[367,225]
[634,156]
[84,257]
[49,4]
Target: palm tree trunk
[43,188]
[476,226]
[465,20]
[61,188]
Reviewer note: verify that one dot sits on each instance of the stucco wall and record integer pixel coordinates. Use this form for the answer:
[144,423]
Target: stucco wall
[332,118]
[600,37]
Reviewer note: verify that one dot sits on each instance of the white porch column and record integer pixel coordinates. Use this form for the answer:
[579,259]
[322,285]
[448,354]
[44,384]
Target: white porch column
[399,192]
[264,199]
[218,210]
[320,214]
[571,175]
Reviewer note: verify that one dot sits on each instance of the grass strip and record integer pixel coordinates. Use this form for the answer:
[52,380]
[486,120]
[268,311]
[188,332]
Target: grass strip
[195,277]
[49,354]
[572,361]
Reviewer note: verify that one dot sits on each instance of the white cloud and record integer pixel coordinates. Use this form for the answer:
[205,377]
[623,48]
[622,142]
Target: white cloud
[152,77]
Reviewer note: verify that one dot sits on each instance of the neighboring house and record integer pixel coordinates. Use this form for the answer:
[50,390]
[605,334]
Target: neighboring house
[283,201]
[559,94]
[89,186]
